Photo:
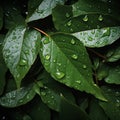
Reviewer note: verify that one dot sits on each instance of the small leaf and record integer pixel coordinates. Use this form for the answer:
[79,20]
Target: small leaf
[17,97]
[112,107]
[1,17]
[41,9]
[20,51]
[70,111]
[69,63]
[98,37]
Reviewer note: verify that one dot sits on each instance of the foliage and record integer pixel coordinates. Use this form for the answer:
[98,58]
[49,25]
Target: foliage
[59,60]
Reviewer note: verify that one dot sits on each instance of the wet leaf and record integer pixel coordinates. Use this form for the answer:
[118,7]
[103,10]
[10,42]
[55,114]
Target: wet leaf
[69,63]
[1,17]
[70,111]
[41,9]
[17,97]
[20,51]
[112,107]
[98,37]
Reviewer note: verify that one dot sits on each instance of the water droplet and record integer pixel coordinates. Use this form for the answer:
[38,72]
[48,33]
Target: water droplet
[20,101]
[28,96]
[52,97]
[84,66]
[73,41]
[74,56]
[106,31]
[46,40]
[47,57]
[67,15]
[43,93]
[26,13]
[85,18]
[69,23]
[78,81]
[100,18]
[71,30]
[54,61]
[60,75]
[59,64]
[22,62]
[117,93]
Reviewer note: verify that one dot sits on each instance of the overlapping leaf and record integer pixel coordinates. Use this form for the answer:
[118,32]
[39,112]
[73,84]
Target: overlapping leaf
[41,8]
[98,37]
[17,97]
[84,15]
[66,59]
[20,51]
[1,17]
[112,107]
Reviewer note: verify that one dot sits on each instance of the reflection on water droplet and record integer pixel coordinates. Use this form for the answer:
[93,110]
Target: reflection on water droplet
[59,64]
[67,15]
[84,66]
[74,56]
[73,41]
[100,18]
[23,62]
[78,81]
[85,18]
[47,57]
[60,75]
[52,97]
[69,23]
[54,61]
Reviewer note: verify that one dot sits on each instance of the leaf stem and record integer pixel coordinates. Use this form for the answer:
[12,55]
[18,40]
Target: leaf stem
[41,31]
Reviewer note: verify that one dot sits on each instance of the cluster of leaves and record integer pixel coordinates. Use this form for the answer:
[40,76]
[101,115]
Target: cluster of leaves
[71,71]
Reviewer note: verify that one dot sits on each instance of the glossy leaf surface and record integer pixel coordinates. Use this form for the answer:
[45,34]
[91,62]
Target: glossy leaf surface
[98,37]
[20,51]
[17,97]
[41,9]
[66,59]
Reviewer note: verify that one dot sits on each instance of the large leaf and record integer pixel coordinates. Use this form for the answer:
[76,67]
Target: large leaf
[17,97]
[41,9]
[20,51]
[69,111]
[112,107]
[66,20]
[1,17]
[3,67]
[98,37]
[51,90]
[66,59]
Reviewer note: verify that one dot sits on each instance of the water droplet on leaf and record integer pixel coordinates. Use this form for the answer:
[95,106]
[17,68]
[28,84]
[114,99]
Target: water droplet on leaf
[47,57]
[46,40]
[100,18]
[69,23]
[74,56]
[78,81]
[73,41]
[60,75]
[23,62]
[43,93]
[85,18]
[67,15]
[84,66]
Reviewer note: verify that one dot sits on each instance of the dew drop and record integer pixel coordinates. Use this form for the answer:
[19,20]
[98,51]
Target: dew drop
[85,18]
[60,75]
[43,93]
[47,57]
[74,56]
[54,61]
[67,15]
[59,64]
[84,66]
[69,23]
[23,62]
[71,30]
[73,41]
[100,18]
[46,40]
[78,81]
[52,97]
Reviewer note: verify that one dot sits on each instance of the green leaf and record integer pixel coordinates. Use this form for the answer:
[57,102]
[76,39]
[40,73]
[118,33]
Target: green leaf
[39,110]
[13,15]
[20,51]
[96,112]
[51,90]
[113,54]
[69,111]
[66,59]
[1,17]
[65,20]
[41,9]
[3,68]
[98,37]
[17,97]
[112,107]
